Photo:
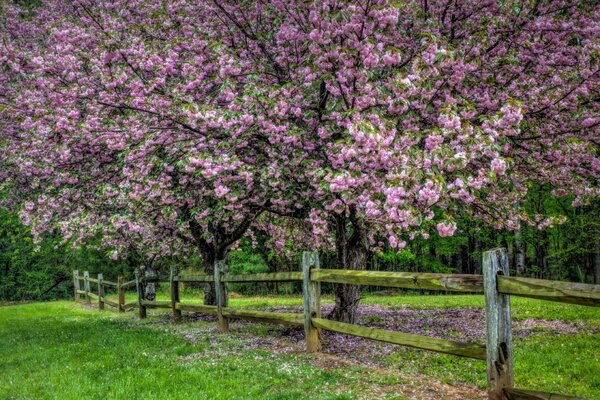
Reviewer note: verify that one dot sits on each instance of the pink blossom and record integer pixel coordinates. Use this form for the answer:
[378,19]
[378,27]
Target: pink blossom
[446,229]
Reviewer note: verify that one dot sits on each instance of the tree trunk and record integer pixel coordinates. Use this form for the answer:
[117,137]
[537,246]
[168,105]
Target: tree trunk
[347,297]
[597,261]
[210,292]
[519,253]
[351,253]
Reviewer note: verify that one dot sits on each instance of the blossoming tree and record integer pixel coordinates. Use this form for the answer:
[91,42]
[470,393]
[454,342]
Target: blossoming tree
[409,112]
[383,118]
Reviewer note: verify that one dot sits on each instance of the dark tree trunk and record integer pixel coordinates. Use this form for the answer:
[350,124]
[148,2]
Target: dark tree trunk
[351,253]
[519,248]
[541,255]
[217,249]
[210,293]
[597,261]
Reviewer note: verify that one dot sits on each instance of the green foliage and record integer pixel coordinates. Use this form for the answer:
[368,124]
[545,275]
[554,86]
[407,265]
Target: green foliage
[43,271]
[244,261]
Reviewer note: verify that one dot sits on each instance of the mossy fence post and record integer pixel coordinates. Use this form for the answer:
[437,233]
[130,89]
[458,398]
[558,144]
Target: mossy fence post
[174,295]
[86,286]
[76,287]
[498,324]
[312,301]
[140,291]
[220,269]
[100,292]
[121,292]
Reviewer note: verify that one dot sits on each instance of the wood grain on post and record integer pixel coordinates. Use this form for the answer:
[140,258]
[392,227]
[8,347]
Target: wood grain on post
[174,295]
[265,277]
[470,350]
[519,394]
[76,287]
[140,292]
[407,280]
[100,292]
[265,316]
[86,286]
[121,293]
[498,324]
[312,301]
[221,292]
[563,292]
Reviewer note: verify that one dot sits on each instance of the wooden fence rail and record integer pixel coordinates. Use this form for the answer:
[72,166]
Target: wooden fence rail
[494,284]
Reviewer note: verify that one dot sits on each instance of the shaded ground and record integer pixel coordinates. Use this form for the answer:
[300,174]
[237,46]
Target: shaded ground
[347,352]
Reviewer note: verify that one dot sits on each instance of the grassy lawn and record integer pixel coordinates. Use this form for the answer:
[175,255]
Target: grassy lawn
[63,350]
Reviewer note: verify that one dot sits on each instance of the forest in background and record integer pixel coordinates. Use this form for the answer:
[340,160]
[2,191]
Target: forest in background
[570,251]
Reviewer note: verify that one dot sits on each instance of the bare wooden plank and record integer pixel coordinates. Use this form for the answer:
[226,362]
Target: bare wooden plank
[86,286]
[156,304]
[109,283]
[128,284]
[197,308]
[564,292]
[265,316]
[93,280]
[110,302]
[76,286]
[130,305]
[498,325]
[270,277]
[153,279]
[220,269]
[194,278]
[470,350]
[520,394]
[174,286]
[121,293]
[408,280]
[92,296]
[312,300]
[100,292]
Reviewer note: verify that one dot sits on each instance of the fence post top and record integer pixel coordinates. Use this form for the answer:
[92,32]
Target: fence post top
[310,258]
[495,250]
[86,274]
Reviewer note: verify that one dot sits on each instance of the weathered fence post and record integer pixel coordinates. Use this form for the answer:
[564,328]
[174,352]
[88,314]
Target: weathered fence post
[121,292]
[76,287]
[174,295]
[312,301]
[220,269]
[498,322]
[100,292]
[86,286]
[140,292]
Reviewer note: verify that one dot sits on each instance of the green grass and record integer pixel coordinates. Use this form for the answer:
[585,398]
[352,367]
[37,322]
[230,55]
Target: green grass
[565,364]
[61,351]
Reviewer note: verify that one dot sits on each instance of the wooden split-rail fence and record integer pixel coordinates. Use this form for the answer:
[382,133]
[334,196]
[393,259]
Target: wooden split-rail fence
[495,283]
